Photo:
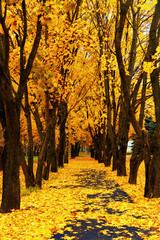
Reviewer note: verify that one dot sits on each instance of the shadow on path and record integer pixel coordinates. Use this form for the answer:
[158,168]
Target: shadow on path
[96,231]
[92,229]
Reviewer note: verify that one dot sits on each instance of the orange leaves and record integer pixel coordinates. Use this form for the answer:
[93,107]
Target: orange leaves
[74,214]
[54,229]
[11,2]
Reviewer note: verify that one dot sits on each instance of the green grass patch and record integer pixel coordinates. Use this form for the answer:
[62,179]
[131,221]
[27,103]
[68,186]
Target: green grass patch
[28,191]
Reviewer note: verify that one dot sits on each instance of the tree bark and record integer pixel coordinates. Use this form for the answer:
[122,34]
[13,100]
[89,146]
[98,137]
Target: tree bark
[152,188]
[122,140]
[42,158]
[47,161]
[135,162]
[11,159]
[29,177]
[108,152]
[110,129]
[62,140]
[54,163]
[43,152]
[66,154]
[137,157]
[152,164]
[51,159]
[30,136]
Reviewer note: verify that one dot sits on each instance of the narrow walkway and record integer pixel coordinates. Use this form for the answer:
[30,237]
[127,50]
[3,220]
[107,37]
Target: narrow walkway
[101,209]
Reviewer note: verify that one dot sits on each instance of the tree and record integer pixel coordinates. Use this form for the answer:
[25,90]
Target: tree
[151,163]
[12,104]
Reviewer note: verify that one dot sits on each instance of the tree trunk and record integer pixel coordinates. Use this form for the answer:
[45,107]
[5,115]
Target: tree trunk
[98,155]
[47,162]
[115,157]
[134,165]
[136,157]
[110,129]
[38,122]
[30,136]
[62,140]
[11,160]
[62,143]
[107,159]
[54,165]
[98,145]
[92,151]
[108,152]
[51,154]
[152,187]
[122,140]
[41,159]
[72,151]
[135,161]
[29,177]
[66,154]
[43,152]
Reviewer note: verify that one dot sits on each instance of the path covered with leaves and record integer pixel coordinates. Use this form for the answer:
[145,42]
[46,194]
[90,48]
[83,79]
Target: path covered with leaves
[84,200]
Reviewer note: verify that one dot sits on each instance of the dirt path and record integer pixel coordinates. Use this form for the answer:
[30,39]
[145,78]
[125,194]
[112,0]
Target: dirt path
[100,209]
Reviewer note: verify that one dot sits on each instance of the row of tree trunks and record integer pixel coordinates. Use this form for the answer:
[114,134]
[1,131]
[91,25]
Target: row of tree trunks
[47,151]
[11,104]
[152,163]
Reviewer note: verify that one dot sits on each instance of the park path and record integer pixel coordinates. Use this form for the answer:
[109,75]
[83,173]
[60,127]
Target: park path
[83,201]
[99,207]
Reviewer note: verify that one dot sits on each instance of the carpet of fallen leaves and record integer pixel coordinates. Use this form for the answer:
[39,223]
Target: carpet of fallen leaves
[72,195]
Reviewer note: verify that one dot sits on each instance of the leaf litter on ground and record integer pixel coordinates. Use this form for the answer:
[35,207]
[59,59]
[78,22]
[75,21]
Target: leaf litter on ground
[84,191]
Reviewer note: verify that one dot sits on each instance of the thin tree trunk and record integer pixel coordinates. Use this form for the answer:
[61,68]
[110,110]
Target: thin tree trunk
[62,140]
[62,143]
[30,136]
[43,151]
[42,158]
[111,133]
[29,177]
[66,154]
